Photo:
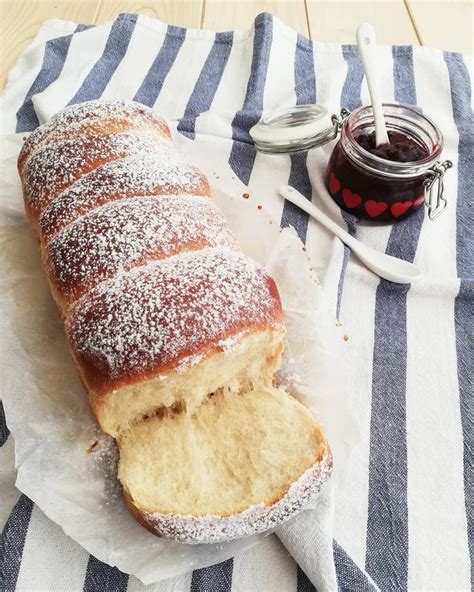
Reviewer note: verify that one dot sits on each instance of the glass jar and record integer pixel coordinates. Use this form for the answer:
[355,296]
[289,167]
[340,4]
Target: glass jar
[358,178]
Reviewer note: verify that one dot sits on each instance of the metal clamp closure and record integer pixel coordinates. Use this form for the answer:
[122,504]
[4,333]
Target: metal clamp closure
[338,121]
[434,189]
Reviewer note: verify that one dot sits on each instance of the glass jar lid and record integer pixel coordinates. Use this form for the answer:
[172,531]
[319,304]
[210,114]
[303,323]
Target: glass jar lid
[294,129]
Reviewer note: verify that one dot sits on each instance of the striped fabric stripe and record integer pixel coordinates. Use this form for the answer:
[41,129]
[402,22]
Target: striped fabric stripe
[404,75]
[55,53]
[387,533]
[81,28]
[206,86]
[242,156]
[463,317]
[305,91]
[387,528]
[101,577]
[349,576]
[350,94]
[4,431]
[215,578]
[303,584]
[350,99]
[114,51]
[12,542]
[153,82]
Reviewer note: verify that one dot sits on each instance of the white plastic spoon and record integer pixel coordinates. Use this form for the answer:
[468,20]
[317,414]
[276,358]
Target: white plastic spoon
[385,266]
[367,44]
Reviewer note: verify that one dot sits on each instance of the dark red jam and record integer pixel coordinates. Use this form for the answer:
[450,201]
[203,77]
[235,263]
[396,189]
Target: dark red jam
[372,196]
[400,149]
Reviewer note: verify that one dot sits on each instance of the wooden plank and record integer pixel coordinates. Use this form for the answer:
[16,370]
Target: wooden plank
[446,25]
[338,21]
[234,15]
[442,23]
[183,13]
[21,19]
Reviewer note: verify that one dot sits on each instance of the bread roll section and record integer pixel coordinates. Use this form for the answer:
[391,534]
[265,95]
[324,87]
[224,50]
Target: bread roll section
[158,173]
[175,333]
[119,236]
[165,323]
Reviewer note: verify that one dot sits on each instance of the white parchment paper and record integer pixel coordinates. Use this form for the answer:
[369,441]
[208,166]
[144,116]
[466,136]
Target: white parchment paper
[46,407]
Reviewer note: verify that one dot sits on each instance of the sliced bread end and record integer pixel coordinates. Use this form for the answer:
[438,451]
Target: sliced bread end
[240,464]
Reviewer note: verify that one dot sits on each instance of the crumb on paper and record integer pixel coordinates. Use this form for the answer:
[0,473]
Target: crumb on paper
[92,447]
[259,207]
[245,195]
[303,249]
[346,337]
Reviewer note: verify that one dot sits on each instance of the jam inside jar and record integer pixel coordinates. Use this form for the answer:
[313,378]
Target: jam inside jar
[383,184]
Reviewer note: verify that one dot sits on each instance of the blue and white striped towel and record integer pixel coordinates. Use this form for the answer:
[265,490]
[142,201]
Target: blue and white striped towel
[402,517]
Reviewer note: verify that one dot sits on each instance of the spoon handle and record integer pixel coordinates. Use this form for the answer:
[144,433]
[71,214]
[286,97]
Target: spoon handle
[387,267]
[367,45]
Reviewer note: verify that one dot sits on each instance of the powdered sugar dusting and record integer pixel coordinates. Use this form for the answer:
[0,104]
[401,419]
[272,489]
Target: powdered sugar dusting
[158,173]
[153,316]
[189,361]
[230,343]
[94,118]
[54,167]
[257,518]
[121,235]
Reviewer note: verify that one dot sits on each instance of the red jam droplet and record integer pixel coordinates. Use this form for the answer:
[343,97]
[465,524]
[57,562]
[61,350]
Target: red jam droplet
[402,148]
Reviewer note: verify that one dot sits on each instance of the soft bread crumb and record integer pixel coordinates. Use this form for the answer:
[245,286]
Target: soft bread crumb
[237,368]
[234,451]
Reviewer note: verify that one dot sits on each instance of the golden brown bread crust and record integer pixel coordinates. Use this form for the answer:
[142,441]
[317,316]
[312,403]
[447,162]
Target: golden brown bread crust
[138,514]
[94,118]
[54,167]
[149,321]
[146,174]
[133,232]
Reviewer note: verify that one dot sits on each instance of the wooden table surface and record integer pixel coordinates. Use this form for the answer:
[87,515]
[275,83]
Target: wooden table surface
[446,24]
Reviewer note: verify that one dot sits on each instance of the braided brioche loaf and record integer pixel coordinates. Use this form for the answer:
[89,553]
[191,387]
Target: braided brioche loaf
[175,333]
